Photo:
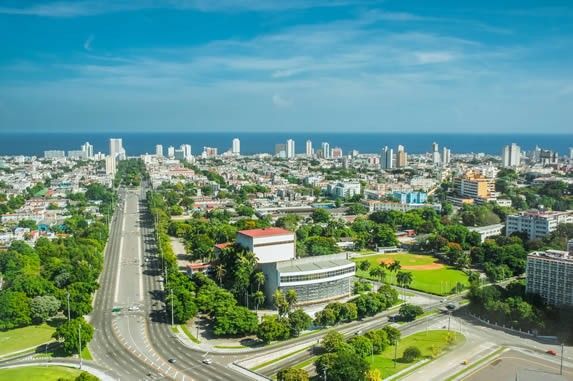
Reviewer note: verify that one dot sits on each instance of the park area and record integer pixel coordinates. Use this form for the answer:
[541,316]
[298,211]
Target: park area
[428,274]
[18,339]
[51,373]
[431,345]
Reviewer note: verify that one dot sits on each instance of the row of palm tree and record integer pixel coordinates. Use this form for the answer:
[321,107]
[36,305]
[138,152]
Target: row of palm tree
[380,270]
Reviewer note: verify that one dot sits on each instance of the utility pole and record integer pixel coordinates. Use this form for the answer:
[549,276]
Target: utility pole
[449,319]
[324,372]
[561,368]
[395,351]
[80,341]
[372,352]
[68,296]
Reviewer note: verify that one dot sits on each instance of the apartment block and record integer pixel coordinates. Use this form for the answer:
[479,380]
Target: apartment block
[537,224]
[550,275]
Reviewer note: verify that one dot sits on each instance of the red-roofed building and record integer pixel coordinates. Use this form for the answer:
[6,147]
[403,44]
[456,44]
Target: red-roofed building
[268,244]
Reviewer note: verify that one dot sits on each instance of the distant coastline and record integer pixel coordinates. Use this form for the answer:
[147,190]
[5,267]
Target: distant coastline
[137,143]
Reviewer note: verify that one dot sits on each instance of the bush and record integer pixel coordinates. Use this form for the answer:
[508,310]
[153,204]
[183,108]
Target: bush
[411,354]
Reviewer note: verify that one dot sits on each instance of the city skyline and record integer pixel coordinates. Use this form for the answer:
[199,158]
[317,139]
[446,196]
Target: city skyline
[297,66]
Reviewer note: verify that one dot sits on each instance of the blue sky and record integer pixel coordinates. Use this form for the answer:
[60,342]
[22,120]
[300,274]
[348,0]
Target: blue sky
[297,65]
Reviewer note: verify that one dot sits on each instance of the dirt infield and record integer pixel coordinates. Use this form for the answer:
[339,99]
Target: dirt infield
[431,266]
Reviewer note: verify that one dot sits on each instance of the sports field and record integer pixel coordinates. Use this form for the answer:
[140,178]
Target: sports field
[429,275]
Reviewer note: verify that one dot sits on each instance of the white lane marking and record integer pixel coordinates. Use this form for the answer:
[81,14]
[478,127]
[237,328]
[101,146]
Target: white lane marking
[120,252]
[139,254]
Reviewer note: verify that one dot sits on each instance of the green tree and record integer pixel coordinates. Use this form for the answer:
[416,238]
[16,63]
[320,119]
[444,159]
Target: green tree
[291,298]
[299,321]
[292,374]
[320,215]
[30,224]
[85,376]
[44,307]
[333,342]
[69,333]
[373,375]
[280,303]
[392,333]
[411,354]
[362,345]
[259,278]
[364,265]
[272,328]
[237,321]
[384,236]
[259,299]
[14,310]
[345,366]
[409,312]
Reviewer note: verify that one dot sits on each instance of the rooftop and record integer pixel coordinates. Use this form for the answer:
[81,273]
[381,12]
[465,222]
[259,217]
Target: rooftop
[295,266]
[553,254]
[265,232]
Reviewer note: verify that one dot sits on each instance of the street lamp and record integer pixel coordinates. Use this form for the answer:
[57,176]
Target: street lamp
[372,351]
[80,342]
[68,296]
[172,324]
[324,372]
[395,351]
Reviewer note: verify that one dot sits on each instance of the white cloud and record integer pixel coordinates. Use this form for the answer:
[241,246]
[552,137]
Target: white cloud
[88,43]
[280,102]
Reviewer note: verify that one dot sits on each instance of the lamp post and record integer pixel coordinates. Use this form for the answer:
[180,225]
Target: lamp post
[449,319]
[324,372]
[68,297]
[172,323]
[372,352]
[395,351]
[80,342]
[561,367]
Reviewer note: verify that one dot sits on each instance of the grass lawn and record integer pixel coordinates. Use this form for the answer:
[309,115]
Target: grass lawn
[20,338]
[50,373]
[385,360]
[439,281]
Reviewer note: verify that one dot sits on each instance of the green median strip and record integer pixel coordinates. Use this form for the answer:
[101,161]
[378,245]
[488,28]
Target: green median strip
[86,355]
[230,346]
[189,335]
[280,358]
[476,364]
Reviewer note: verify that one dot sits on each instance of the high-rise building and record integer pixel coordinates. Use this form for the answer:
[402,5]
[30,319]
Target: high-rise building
[511,155]
[110,165]
[536,224]
[325,150]
[550,275]
[54,154]
[236,147]
[308,148]
[336,152]
[116,148]
[171,152]
[88,149]
[159,150]
[281,150]
[186,148]
[209,152]
[474,185]
[445,156]
[436,160]
[571,153]
[401,157]
[387,158]
[290,148]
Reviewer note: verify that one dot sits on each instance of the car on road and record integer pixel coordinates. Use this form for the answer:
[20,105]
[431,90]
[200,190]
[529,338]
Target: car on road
[359,332]
[172,360]
[451,306]
[207,361]
[551,352]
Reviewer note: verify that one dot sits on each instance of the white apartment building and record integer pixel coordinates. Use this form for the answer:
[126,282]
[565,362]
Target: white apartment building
[236,150]
[308,148]
[488,231]
[290,150]
[344,189]
[387,158]
[511,155]
[537,224]
[550,275]
[116,148]
[159,150]
[325,150]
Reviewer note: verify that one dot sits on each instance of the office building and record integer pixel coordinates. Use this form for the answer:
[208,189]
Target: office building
[511,155]
[159,150]
[436,159]
[474,185]
[54,154]
[536,223]
[549,274]
[88,149]
[325,150]
[116,148]
[314,279]
[401,157]
[236,150]
[387,158]
[290,150]
[344,189]
[308,150]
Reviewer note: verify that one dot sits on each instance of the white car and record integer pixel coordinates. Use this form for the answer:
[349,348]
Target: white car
[207,361]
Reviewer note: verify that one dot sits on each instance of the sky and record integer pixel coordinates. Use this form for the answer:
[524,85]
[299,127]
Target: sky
[444,66]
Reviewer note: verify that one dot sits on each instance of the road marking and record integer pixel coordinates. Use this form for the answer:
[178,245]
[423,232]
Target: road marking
[139,255]
[120,252]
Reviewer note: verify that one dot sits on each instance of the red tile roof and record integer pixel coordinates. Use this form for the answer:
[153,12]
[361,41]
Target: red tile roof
[265,232]
[221,246]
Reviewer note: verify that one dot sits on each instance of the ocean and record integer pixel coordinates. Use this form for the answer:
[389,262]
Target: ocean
[253,142]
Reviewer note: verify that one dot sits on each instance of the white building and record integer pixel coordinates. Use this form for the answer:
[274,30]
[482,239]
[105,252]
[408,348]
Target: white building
[550,275]
[325,150]
[344,189]
[511,155]
[186,148]
[488,231]
[54,154]
[446,156]
[436,159]
[88,149]
[536,224]
[290,150]
[159,150]
[170,152]
[116,148]
[308,148]
[110,168]
[268,244]
[236,147]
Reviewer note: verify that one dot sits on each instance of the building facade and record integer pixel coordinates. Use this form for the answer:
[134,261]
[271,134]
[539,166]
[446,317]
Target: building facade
[536,224]
[344,189]
[550,275]
[236,150]
[268,244]
[511,155]
[474,186]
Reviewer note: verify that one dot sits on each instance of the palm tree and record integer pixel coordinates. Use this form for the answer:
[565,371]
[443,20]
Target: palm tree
[375,272]
[405,278]
[395,266]
[258,298]
[280,303]
[291,298]
[260,279]
[220,273]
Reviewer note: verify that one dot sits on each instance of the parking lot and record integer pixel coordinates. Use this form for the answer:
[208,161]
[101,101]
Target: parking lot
[506,366]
